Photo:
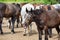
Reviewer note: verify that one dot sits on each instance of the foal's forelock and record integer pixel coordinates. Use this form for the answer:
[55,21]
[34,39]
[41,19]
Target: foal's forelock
[28,16]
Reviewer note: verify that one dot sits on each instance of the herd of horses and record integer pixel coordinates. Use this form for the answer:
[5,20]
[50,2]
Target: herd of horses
[46,17]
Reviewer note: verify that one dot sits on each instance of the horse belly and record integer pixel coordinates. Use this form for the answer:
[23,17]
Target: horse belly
[7,15]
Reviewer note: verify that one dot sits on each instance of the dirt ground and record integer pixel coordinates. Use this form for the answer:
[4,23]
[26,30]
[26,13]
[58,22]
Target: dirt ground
[19,33]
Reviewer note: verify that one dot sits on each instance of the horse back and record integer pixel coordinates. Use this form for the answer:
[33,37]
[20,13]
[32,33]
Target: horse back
[11,10]
[53,18]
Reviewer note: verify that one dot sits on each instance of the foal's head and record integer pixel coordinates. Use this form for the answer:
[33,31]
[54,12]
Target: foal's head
[30,14]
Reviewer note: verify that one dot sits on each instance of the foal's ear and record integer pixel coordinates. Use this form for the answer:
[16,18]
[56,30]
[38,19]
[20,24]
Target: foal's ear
[26,10]
[31,9]
[18,4]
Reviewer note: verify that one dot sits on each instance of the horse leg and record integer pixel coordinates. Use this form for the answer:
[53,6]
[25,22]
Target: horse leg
[58,30]
[46,32]
[50,32]
[9,24]
[42,32]
[18,21]
[40,35]
[30,28]
[13,21]
[21,22]
[25,29]
[1,27]
[46,35]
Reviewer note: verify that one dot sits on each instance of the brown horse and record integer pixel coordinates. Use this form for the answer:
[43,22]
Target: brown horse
[45,19]
[2,10]
[18,9]
[9,11]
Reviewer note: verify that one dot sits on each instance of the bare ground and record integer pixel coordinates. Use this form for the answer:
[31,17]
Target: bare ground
[19,33]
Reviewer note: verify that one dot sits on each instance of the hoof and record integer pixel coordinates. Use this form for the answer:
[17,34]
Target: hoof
[50,36]
[1,32]
[46,38]
[40,38]
[13,31]
[24,34]
[17,27]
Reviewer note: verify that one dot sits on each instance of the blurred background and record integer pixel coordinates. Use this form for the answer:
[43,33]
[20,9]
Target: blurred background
[31,1]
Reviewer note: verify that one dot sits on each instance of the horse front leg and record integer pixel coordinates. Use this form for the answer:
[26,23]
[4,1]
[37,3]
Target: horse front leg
[30,29]
[40,35]
[46,33]
[1,26]
[25,29]
[13,22]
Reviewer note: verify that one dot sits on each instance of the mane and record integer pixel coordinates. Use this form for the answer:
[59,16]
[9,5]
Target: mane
[37,7]
[49,7]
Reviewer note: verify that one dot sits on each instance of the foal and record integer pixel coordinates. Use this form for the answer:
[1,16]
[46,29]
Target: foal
[45,19]
[26,16]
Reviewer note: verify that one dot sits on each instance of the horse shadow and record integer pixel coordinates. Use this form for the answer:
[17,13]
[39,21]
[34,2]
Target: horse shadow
[7,33]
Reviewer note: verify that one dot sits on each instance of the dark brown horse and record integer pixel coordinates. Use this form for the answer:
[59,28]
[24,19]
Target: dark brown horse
[9,11]
[17,17]
[49,19]
[45,19]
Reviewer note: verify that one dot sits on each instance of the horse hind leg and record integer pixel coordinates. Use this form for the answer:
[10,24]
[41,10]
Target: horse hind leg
[18,22]
[50,32]
[13,22]
[58,30]
[46,32]
[46,35]
[21,22]
[39,31]
[42,32]
[9,24]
